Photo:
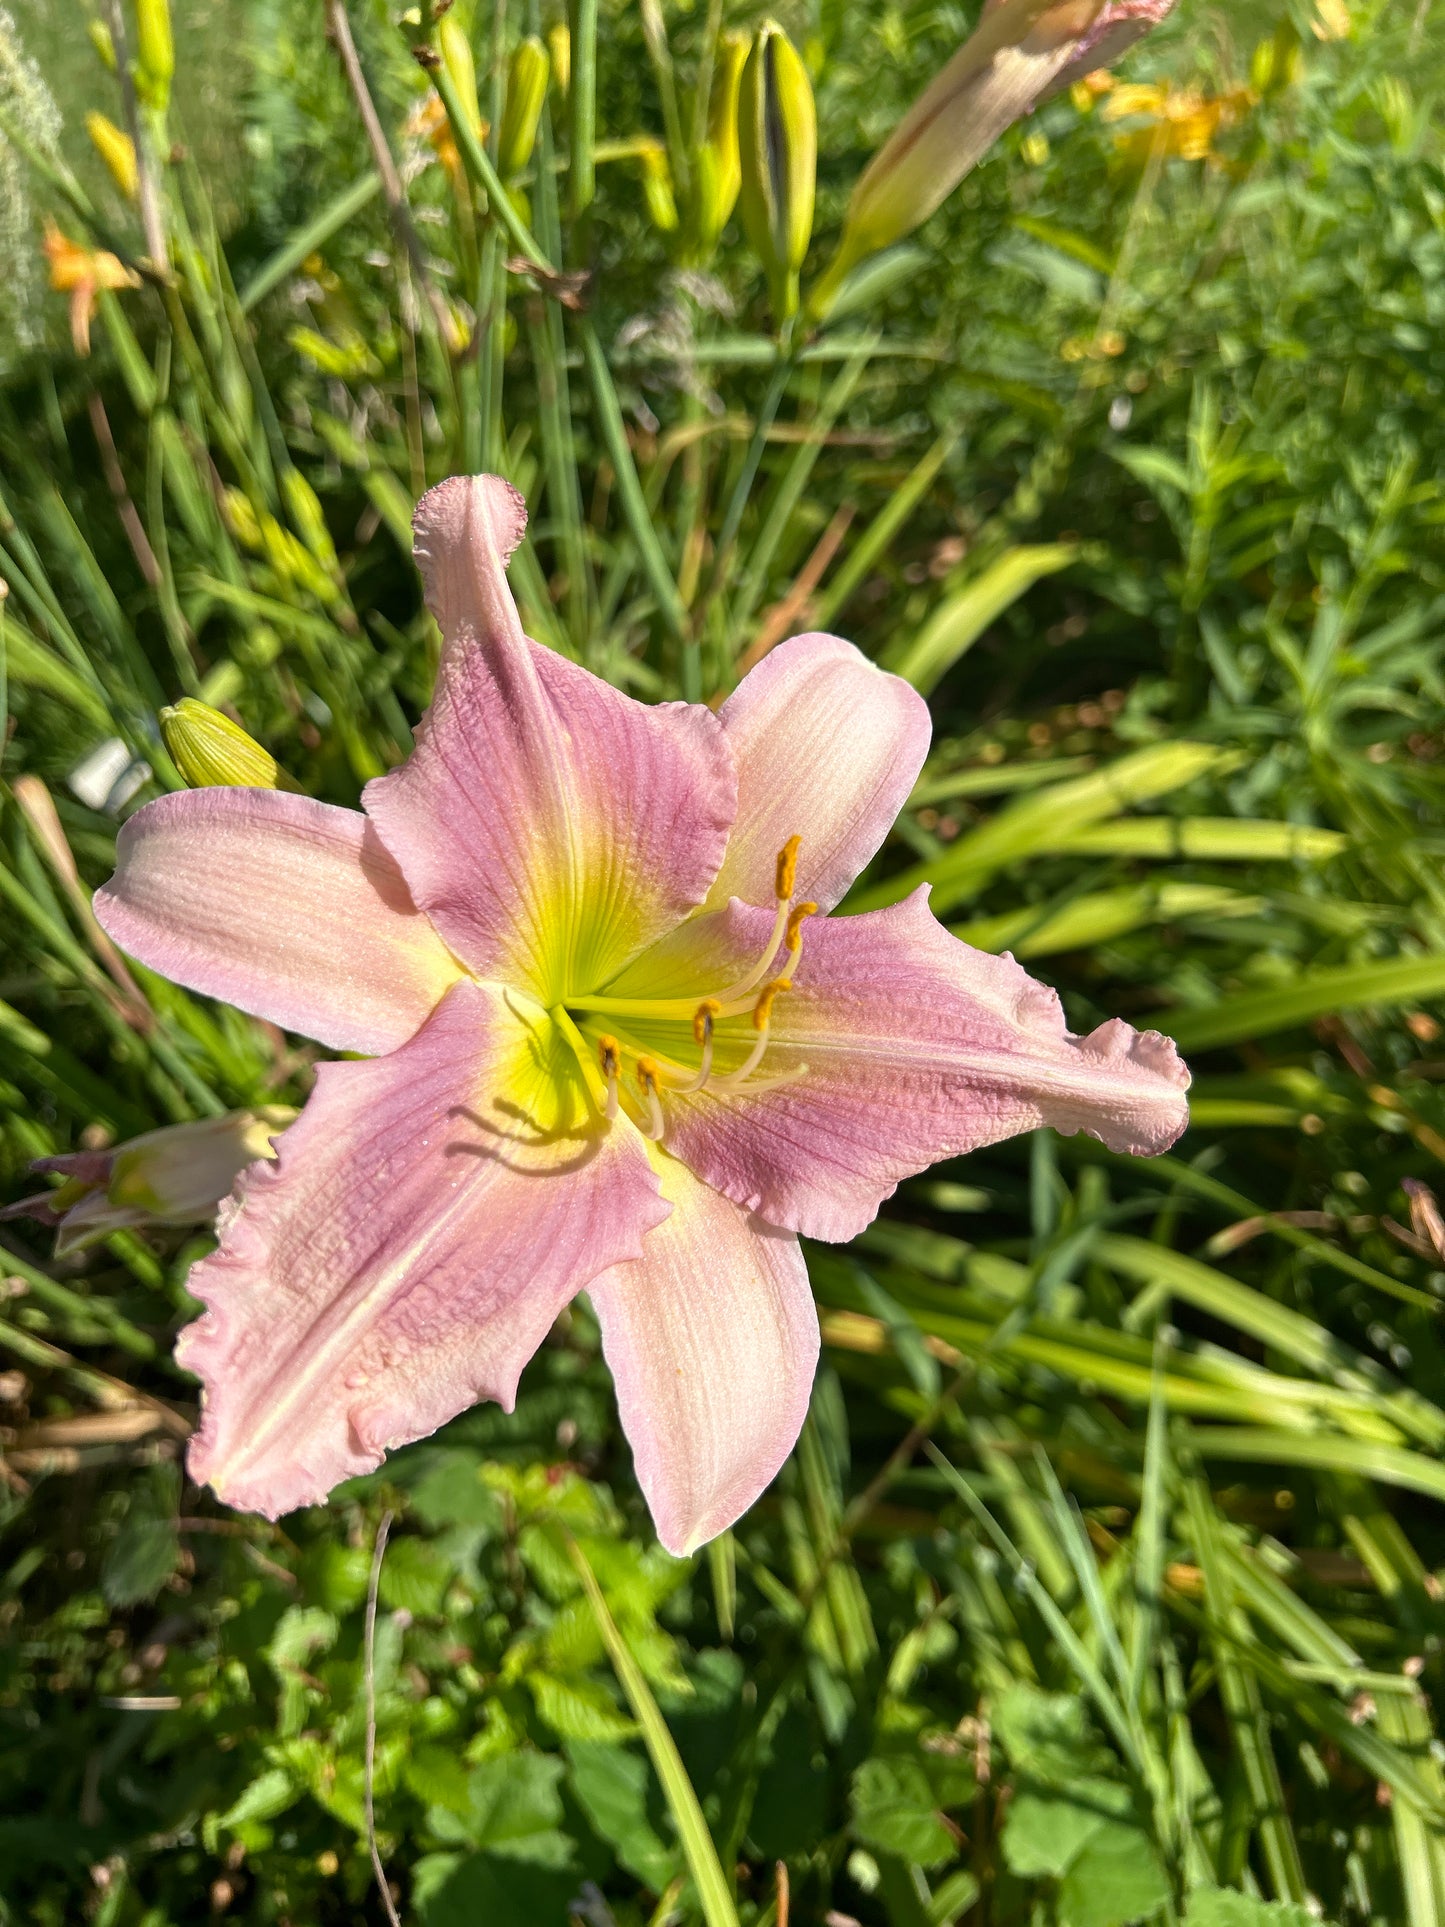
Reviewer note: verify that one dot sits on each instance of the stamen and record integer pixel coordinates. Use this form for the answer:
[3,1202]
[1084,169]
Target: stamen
[610,1059]
[793,940]
[787,871]
[784,923]
[647,1078]
[703,1020]
[762,1023]
[763,1009]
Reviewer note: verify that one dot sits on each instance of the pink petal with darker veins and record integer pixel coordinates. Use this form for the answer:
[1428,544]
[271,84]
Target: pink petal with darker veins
[550,826]
[712,1339]
[917,1048]
[288,908]
[405,1254]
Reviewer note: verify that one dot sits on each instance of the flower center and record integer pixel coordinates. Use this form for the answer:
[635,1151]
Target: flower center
[625,1074]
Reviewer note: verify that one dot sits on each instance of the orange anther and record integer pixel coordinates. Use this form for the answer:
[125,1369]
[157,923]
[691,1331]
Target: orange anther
[787,875]
[647,1073]
[608,1055]
[703,1019]
[794,938]
[763,1008]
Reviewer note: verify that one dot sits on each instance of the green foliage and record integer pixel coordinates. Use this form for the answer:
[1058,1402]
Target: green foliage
[1138,457]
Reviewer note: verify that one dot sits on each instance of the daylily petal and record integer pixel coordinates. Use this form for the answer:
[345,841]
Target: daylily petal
[712,1339]
[427,1217]
[289,908]
[828,747]
[550,826]
[917,1048]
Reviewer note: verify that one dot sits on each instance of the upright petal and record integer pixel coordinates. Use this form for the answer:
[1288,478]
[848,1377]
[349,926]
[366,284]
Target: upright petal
[550,826]
[289,908]
[828,747]
[712,1339]
[426,1219]
[917,1048]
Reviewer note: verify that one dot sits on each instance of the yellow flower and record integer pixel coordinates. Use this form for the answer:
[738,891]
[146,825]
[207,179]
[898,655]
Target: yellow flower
[1185,121]
[81,273]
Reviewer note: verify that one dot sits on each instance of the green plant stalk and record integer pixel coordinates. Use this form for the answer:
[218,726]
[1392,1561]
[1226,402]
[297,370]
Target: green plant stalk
[610,425]
[747,475]
[877,537]
[306,239]
[791,488]
[713,1891]
[95,1312]
[564,490]
[655,568]
[1239,1692]
[177,634]
[582,180]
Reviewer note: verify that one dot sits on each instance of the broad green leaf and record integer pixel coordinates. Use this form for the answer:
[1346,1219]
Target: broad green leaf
[414,1576]
[893,1810]
[1117,1879]
[1222,1907]
[962,618]
[612,1785]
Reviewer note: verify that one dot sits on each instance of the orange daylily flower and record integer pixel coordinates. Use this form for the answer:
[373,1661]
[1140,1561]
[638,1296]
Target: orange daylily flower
[81,273]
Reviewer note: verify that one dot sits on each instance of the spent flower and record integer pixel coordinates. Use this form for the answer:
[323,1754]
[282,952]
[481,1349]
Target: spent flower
[175,1176]
[615,1044]
[83,273]
[1021,51]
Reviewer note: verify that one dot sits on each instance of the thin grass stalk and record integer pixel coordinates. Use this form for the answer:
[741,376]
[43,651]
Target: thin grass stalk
[713,1891]
[790,490]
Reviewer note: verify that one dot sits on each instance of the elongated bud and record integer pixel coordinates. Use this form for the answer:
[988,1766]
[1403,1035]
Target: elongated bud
[99,35]
[116,149]
[456,53]
[155,63]
[1022,51]
[178,1175]
[778,162]
[526,95]
[559,46]
[212,752]
[657,185]
[716,171]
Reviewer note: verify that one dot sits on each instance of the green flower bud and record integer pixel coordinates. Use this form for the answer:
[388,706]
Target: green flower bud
[116,149]
[559,45]
[526,96]
[778,160]
[716,171]
[211,751]
[155,63]
[456,53]
[104,46]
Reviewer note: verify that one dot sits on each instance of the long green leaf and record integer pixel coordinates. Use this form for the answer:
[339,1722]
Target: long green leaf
[961,619]
[1258,1013]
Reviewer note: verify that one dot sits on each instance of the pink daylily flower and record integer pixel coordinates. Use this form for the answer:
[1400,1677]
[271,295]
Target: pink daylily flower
[616,1046]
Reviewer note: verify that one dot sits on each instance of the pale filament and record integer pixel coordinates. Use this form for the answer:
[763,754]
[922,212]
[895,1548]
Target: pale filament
[754,993]
[609,1056]
[647,1078]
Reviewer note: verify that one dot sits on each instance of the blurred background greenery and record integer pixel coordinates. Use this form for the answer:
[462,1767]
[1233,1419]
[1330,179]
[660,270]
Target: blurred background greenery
[1105,1584]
